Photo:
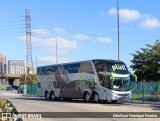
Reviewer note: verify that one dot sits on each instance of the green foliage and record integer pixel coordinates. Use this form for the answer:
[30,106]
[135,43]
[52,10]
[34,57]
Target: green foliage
[10,109]
[137,97]
[146,62]
[146,98]
[22,79]
[30,79]
[3,103]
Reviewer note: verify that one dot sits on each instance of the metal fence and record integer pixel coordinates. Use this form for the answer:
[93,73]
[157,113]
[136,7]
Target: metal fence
[30,89]
[4,86]
[147,91]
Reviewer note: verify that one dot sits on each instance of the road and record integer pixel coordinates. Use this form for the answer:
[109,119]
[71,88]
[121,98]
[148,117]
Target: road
[39,104]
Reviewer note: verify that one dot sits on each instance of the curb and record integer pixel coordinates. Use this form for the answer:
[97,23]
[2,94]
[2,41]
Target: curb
[28,95]
[142,102]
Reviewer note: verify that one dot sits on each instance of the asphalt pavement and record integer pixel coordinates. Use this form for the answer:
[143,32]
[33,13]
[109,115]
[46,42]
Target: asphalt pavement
[39,104]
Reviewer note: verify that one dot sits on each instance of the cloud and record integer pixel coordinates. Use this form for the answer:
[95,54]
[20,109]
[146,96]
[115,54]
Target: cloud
[49,44]
[81,37]
[52,60]
[150,23]
[112,11]
[125,14]
[66,44]
[105,40]
[58,30]
[40,32]
[47,59]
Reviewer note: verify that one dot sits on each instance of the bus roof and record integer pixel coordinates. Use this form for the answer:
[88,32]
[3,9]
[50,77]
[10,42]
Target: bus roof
[81,62]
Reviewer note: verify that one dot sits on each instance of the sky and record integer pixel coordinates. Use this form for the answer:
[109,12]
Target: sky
[84,29]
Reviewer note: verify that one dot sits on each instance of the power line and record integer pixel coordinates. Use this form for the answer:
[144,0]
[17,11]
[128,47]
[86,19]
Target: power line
[97,35]
[44,23]
[10,33]
[8,17]
[63,23]
[8,36]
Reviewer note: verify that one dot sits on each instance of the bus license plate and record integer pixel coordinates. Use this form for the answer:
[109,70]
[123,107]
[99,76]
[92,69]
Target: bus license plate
[123,98]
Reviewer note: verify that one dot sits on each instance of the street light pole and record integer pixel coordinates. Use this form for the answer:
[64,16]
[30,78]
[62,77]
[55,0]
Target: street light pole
[118,30]
[56,52]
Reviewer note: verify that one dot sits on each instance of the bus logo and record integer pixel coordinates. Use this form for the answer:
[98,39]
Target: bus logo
[118,67]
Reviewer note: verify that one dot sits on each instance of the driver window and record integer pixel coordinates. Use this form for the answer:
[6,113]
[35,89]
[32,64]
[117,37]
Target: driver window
[105,81]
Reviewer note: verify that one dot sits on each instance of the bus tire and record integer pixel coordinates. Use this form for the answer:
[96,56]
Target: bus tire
[47,95]
[87,97]
[96,97]
[52,95]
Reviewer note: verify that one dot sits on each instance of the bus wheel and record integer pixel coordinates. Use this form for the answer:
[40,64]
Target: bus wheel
[47,95]
[96,97]
[87,97]
[52,96]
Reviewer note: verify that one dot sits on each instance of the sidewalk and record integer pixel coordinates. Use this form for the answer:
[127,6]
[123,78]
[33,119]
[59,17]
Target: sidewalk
[143,102]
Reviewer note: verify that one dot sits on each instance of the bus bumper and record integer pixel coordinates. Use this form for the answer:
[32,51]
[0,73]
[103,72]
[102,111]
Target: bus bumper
[121,96]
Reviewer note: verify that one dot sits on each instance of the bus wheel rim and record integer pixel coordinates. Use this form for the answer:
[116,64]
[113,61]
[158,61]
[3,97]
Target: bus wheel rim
[47,96]
[53,96]
[96,98]
[87,97]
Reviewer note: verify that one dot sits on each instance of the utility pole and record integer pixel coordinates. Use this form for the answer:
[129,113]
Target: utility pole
[36,63]
[56,52]
[118,30]
[29,62]
[5,71]
[1,68]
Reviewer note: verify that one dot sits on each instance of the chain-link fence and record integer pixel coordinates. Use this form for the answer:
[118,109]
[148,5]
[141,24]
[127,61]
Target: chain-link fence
[147,91]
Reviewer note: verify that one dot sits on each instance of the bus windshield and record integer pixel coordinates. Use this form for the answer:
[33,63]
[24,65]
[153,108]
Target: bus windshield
[117,67]
[121,84]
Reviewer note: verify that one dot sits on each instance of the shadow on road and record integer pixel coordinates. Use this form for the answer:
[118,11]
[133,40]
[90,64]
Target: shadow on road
[70,101]
[156,107]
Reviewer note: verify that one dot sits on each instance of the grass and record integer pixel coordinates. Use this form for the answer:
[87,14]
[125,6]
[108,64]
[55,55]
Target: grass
[146,97]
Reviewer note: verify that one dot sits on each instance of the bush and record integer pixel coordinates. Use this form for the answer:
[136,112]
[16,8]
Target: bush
[3,104]
[146,98]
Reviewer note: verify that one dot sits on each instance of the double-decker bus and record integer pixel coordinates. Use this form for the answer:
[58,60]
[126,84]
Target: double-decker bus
[95,80]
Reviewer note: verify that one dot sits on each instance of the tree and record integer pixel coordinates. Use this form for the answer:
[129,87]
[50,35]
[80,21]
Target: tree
[30,79]
[22,79]
[146,62]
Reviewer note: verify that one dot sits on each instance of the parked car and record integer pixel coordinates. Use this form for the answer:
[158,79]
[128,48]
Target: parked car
[20,89]
[9,88]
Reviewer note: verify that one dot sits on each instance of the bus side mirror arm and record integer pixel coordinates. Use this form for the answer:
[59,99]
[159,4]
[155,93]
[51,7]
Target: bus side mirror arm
[133,77]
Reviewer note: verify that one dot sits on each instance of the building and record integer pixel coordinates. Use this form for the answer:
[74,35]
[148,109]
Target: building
[11,70]
[2,68]
[2,64]
[16,67]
